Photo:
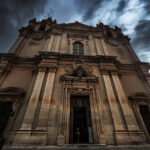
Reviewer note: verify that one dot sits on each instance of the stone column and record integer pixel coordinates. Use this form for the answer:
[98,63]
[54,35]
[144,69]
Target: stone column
[49,48]
[64,43]
[116,116]
[33,101]
[105,48]
[126,109]
[46,101]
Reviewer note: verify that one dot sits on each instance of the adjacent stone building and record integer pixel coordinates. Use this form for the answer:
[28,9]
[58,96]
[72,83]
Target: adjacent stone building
[73,83]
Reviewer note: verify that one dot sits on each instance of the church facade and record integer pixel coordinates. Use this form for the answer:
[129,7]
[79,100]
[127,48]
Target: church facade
[73,84]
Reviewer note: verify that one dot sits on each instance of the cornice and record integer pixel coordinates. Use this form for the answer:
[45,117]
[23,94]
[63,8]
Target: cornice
[139,96]
[59,55]
[105,61]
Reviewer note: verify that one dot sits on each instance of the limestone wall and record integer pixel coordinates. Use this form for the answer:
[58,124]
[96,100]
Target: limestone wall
[62,42]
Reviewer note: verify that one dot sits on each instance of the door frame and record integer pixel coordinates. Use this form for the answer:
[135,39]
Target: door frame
[87,107]
[96,111]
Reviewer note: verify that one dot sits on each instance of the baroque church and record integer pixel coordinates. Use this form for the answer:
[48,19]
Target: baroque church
[73,84]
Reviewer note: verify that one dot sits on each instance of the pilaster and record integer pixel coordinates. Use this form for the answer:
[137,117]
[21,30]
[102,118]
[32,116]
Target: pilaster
[91,45]
[64,43]
[46,101]
[30,112]
[51,40]
[127,111]
[117,119]
[57,45]
[97,43]
[105,48]
[126,128]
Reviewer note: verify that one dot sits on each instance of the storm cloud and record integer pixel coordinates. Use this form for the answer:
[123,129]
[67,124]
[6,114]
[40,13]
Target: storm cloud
[15,14]
[133,16]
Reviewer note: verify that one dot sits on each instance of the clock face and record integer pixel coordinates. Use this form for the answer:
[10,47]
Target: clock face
[113,42]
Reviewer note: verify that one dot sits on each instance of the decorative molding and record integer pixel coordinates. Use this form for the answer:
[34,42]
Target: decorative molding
[9,93]
[37,36]
[113,42]
[80,91]
[79,72]
[108,67]
[45,68]
[139,96]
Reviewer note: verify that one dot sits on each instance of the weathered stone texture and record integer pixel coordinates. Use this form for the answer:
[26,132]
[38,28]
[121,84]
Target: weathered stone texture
[50,69]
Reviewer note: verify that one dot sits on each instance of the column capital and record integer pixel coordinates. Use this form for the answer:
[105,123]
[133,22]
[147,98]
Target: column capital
[104,72]
[114,72]
[45,68]
[107,72]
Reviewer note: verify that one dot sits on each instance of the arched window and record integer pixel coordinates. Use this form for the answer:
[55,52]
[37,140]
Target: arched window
[77,48]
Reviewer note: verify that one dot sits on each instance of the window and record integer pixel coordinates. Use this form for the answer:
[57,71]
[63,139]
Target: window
[42,27]
[109,33]
[144,109]
[77,48]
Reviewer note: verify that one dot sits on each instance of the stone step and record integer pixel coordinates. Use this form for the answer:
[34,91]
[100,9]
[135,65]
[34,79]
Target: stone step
[81,147]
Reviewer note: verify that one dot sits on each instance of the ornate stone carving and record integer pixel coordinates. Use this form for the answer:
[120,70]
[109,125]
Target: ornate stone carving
[139,96]
[113,42]
[45,68]
[12,91]
[37,36]
[107,67]
[80,91]
[79,71]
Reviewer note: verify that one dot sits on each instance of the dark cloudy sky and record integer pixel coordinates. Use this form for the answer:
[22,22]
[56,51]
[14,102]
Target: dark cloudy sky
[133,16]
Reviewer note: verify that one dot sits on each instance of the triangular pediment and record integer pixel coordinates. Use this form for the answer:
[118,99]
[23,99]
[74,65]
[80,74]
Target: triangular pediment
[77,26]
[12,91]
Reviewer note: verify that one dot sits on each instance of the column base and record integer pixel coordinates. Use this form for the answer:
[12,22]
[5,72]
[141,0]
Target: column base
[101,140]
[131,137]
[30,138]
[61,140]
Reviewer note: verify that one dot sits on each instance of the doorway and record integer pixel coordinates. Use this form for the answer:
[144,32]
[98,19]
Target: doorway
[80,121]
[5,113]
[145,113]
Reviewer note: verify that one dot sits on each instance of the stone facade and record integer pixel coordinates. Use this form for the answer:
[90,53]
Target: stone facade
[47,81]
